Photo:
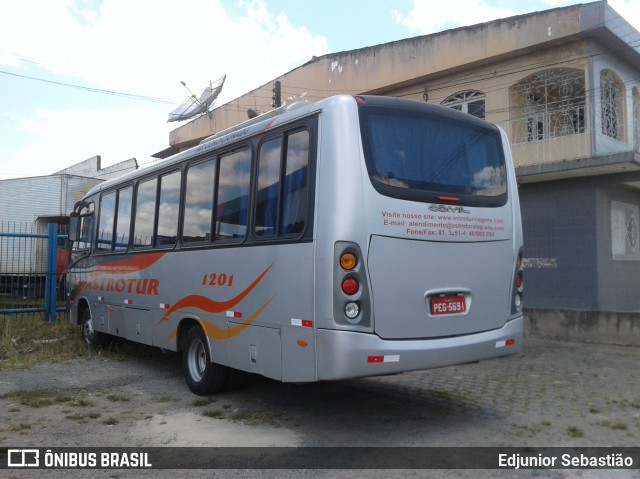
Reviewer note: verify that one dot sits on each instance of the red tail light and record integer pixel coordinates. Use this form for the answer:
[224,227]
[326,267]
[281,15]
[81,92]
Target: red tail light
[350,286]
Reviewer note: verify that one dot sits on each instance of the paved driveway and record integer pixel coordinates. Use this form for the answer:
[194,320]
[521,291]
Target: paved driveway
[553,394]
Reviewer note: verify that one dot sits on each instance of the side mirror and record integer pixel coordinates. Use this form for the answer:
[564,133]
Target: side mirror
[74,225]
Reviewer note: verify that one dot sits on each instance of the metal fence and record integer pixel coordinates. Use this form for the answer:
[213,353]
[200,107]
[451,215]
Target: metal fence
[32,270]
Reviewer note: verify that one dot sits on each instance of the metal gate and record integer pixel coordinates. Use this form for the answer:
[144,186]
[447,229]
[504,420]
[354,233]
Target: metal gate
[32,270]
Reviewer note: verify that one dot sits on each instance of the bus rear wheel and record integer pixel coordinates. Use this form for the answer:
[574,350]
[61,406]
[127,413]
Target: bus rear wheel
[203,376]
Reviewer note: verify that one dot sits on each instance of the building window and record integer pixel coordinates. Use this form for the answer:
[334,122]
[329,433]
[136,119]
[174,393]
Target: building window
[470,101]
[548,104]
[636,118]
[611,105]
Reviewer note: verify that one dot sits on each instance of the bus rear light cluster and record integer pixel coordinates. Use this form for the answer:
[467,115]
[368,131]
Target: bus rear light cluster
[351,302]
[518,285]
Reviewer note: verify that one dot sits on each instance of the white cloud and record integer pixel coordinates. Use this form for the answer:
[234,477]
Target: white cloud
[140,47]
[75,135]
[148,47]
[428,17]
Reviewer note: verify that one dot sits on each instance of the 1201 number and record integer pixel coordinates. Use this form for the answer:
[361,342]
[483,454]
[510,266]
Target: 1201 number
[214,279]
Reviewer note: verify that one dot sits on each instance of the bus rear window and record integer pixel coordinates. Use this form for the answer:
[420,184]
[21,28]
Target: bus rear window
[422,154]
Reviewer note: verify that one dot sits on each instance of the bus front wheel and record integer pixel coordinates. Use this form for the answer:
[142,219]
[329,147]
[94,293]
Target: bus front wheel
[203,376]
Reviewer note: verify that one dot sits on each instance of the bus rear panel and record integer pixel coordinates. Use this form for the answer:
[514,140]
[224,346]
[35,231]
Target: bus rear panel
[437,239]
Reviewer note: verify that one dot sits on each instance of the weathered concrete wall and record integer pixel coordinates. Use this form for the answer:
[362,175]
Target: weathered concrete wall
[584,326]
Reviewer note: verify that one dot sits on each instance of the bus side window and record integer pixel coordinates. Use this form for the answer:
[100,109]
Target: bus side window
[106,222]
[123,220]
[281,204]
[168,209]
[87,218]
[198,202]
[232,200]
[295,187]
[268,187]
[145,213]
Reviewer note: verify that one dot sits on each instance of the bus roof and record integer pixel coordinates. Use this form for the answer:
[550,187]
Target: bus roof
[246,129]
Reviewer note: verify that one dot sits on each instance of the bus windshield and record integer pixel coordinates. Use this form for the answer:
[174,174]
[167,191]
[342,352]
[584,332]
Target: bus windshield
[420,154]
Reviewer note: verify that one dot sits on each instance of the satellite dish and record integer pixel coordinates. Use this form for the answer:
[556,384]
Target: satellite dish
[197,105]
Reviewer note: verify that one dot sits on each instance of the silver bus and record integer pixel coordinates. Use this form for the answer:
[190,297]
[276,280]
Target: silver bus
[355,236]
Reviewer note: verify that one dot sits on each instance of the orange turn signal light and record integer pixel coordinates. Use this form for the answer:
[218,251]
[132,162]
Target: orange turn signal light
[348,261]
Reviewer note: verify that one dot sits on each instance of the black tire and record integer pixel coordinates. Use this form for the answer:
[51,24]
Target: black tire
[203,377]
[91,338]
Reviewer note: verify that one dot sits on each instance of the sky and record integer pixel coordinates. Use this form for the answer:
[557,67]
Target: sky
[80,78]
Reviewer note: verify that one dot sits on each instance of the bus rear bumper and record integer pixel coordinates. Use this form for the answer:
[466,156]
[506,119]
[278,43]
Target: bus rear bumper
[347,354]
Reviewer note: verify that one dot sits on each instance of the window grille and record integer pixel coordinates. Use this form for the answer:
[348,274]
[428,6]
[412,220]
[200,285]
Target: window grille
[548,104]
[611,110]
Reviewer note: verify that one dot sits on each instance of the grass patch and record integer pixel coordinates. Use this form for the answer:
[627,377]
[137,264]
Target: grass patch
[619,426]
[574,431]
[525,431]
[213,413]
[41,398]
[117,398]
[29,340]
[164,399]
[23,426]
[205,401]
[83,417]
[256,417]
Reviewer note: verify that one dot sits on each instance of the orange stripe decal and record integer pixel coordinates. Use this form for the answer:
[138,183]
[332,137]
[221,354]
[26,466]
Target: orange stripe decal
[209,305]
[215,332]
[126,266]
[129,265]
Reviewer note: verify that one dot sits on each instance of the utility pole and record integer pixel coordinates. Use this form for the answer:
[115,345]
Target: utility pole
[277,101]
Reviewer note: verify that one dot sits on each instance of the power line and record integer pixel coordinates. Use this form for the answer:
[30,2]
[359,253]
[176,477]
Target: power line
[91,89]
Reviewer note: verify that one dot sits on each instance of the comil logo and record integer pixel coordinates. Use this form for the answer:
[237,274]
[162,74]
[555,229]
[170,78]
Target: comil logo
[448,209]
[23,458]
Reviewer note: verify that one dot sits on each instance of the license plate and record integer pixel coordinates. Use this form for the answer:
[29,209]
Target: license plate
[448,305]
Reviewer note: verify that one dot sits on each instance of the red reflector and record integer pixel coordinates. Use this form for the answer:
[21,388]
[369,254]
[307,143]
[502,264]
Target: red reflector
[450,199]
[510,342]
[350,286]
[307,323]
[360,100]
[375,359]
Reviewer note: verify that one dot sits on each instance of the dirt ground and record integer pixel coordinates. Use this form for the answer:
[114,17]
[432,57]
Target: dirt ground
[553,394]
